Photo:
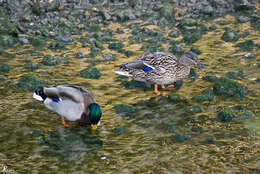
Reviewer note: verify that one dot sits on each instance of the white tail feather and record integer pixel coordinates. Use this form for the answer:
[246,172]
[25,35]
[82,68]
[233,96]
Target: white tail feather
[122,73]
[37,97]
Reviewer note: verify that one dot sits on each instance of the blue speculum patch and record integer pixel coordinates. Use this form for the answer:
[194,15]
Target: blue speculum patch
[55,99]
[147,68]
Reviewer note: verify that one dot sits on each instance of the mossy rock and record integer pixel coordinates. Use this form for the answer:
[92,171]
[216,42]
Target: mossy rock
[116,46]
[246,45]
[226,87]
[7,27]
[7,40]
[192,37]
[124,110]
[225,116]
[230,36]
[57,45]
[234,75]
[195,50]
[37,41]
[29,82]
[180,137]
[90,72]
[79,55]
[32,66]
[188,22]
[194,109]
[207,95]
[133,84]
[255,22]
[210,78]
[167,11]
[49,60]
[120,130]
[4,68]
[174,33]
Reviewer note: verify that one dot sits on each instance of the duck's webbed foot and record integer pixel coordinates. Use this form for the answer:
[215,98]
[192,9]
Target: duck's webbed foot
[64,122]
[156,89]
[167,87]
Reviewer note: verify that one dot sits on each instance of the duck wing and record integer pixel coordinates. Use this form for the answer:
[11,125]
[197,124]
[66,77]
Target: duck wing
[71,92]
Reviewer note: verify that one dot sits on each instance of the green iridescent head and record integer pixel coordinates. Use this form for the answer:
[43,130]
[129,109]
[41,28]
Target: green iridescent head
[94,114]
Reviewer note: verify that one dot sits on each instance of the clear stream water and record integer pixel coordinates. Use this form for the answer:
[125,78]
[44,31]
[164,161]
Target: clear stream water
[32,139]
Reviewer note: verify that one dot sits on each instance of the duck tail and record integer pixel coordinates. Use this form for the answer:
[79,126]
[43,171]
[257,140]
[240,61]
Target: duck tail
[122,73]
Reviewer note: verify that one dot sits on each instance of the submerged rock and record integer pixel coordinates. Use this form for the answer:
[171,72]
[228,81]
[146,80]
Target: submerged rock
[90,72]
[37,41]
[208,95]
[29,82]
[120,130]
[210,78]
[230,36]
[225,115]
[32,66]
[194,109]
[229,88]
[49,60]
[180,137]
[4,68]
[116,46]
[234,75]
[56,45]
[124,110]
[247,45]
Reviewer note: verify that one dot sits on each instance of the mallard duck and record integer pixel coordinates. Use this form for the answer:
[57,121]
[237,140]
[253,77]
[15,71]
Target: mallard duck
[159,68]
[71,102]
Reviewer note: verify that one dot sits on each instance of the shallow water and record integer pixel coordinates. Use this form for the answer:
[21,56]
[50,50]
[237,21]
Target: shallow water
[34,141]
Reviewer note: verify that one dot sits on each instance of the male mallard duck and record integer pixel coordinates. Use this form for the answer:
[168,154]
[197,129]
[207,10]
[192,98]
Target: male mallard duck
[71,102]
[159,68]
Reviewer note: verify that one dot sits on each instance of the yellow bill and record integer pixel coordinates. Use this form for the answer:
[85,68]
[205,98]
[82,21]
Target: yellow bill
[94,127]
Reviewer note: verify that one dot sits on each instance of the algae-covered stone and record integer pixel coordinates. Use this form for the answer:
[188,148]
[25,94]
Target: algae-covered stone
[208,95]
[194,109]
[180,137]
[120,130]
[6,26]
[255,22]
[197,129]
[178,84]
[90,72]
[7,40]
[174,98]
[174,33]
[225,115]
[247,45]
[210,78]
[246,114]
[29,82]
[37,41]
[124,110]
[79,55]
[234,75]
[32,66]
[195,50]
[49,60]
[116,46]
[133,84]
[4,68]
[192,37]
[56,45]
[167,11]
[230,36]
[227,87]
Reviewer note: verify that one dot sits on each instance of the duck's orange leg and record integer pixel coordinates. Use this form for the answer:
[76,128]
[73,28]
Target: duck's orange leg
[168,87]
[64,122]
[156,89]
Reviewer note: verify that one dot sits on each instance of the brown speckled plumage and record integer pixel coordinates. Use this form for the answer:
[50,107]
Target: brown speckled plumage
[163,68]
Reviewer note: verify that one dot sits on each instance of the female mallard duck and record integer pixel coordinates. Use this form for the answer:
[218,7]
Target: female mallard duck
[71,102]
[159,68]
